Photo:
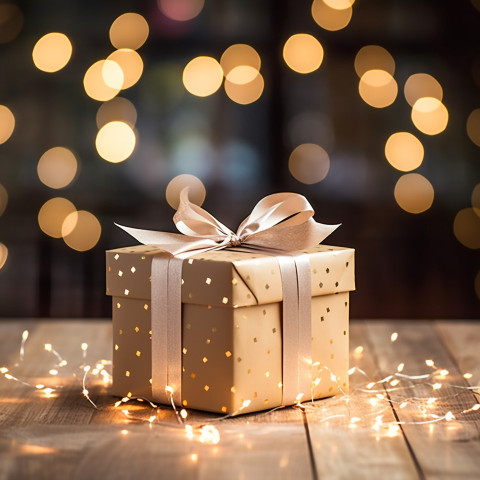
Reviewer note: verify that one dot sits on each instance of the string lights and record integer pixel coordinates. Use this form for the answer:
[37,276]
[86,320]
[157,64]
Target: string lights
[428,407]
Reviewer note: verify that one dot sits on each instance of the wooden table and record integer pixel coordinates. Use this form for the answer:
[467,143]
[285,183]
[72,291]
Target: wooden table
[62,436]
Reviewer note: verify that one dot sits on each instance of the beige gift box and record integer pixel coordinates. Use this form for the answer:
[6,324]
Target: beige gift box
[231,326]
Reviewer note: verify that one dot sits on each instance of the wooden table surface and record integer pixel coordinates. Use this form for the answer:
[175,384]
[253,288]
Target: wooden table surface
[63,436]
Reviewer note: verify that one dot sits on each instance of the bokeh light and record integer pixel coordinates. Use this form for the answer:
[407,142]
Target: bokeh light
[421,85]
[404,151]
[309,163]
[202,76]
[245,93]
[3,255]
[303,53]
[94,83]
[131,63]
[115,141]
[118,108]
[57,167]
[378,88]
[238,56]
[52,52]
[339,4]
[242,74]
[373,57]
[473,127]
[414,193]
[112,74]
[475,200]
[52,215]
[81,230]
[196,193]
[11,22]
[3,199]
[430,115]
[129,30]
[329,17]
[466,228]
[7,123]
[181,10]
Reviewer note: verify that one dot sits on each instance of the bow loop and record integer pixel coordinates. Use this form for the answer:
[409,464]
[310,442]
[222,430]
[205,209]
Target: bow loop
[282,221]
[190,219]
[286,208]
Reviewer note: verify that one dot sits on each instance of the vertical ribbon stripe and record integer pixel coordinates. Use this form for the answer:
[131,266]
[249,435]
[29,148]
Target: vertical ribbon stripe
[290,331]
[174,328]
[159,302]
[296,326]
[166,326]
[304,353]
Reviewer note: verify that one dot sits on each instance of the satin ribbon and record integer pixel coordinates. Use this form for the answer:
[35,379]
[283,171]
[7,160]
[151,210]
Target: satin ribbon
[280,225]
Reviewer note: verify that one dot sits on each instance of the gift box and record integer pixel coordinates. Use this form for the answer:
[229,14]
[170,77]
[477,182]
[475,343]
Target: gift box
[231,326]
[232,322]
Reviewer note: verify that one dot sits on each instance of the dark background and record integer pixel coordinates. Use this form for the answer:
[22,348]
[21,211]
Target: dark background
[407,265]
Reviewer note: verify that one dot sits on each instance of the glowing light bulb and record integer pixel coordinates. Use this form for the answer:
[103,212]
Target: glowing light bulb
[449,416]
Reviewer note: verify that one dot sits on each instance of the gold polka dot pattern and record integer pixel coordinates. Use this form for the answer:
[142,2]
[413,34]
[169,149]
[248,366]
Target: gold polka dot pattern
[226,278]
[231,326]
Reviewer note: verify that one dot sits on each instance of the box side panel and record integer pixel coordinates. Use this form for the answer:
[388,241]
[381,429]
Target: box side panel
[208,358]
[228,278]
[128,272]
[330,344]
[207,282]
[257,357]
[231,355]
[332,271]
[132,349]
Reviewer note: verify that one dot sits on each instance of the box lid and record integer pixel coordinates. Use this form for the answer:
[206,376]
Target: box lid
[227,277]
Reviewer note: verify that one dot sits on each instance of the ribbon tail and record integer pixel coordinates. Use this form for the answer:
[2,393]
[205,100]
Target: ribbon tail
[173,243]
[291,238]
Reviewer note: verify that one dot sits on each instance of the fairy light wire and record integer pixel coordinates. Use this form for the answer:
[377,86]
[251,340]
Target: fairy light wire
[207,433]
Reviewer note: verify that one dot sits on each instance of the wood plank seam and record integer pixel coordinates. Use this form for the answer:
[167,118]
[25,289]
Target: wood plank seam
[453,360]
[420,472]
[310,447]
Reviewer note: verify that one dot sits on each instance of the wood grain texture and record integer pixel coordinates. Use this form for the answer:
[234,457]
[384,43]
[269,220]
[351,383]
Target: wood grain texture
[445,449]
[65,437]
[463,343]
[355,450]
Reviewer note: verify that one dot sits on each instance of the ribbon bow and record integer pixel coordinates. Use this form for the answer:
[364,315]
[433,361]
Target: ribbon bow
[282,221]
[280,225]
